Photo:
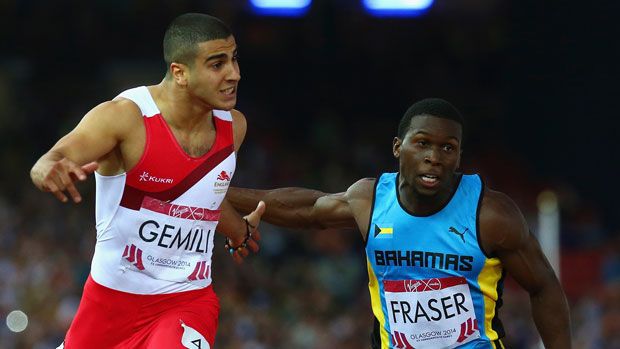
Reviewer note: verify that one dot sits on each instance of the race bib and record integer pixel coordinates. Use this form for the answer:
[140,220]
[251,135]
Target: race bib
[171,242]
[431,313]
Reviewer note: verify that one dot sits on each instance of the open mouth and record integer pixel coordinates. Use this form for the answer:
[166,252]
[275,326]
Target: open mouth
[229,91]
[429,180]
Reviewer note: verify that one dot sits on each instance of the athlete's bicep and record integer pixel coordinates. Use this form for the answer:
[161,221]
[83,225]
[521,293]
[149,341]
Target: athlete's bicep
[98,133]
[505,233]
[528,265]
[333,211]
[350,209]
[523,259]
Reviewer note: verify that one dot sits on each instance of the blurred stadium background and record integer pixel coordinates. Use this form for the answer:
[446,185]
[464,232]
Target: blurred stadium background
[323,93]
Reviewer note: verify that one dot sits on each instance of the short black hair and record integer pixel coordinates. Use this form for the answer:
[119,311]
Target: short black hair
[188,30]
[430,106]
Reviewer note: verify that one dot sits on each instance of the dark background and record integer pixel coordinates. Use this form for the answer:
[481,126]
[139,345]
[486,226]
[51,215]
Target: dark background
[323,93]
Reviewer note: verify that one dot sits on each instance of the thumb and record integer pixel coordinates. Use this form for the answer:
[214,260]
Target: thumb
[90,167]
[255,216]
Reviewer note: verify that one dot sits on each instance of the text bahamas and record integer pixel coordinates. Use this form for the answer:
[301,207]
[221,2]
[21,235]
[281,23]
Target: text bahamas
[171,237]
[424,259]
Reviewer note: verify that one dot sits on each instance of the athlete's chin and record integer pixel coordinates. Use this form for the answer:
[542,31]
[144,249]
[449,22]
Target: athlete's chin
[427,189]
[427,192]
[226,105]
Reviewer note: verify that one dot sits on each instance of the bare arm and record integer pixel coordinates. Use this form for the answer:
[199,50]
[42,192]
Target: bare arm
[307,208]
[504,232]
[74,156]
[295,207]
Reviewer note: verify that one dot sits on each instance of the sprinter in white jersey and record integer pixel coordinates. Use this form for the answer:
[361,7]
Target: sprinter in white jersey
[164,156]
[438,242]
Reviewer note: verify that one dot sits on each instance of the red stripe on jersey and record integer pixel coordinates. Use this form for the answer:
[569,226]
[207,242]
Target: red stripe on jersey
[192,276]
[132,254]
[133,197]
[165,171]
[199,172]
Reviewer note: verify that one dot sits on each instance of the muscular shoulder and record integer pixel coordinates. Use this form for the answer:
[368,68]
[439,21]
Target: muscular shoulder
[362,189]
[120,108]
[114,118]
[117,116]
[237,116]
[239,127]
[502,225]
[359,199]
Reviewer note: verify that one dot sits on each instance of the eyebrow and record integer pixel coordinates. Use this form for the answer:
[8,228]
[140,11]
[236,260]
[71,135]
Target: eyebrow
[221,55]
[428,134]
[217,56]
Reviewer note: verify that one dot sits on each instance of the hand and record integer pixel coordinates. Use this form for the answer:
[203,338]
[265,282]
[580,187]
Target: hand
[252,221]
[59,176]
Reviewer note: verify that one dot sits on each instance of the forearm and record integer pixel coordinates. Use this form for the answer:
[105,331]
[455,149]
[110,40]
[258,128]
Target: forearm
[44,164]
[244,200]
[51,156]
[41,168]
[287,207]
[551,316]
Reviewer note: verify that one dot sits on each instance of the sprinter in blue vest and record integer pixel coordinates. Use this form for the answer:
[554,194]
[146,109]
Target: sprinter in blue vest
[438,242]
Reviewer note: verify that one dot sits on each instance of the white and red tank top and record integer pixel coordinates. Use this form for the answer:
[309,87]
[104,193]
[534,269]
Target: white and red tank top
[156,222]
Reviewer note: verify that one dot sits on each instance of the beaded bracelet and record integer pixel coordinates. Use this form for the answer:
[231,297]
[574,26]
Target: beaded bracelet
[248,234]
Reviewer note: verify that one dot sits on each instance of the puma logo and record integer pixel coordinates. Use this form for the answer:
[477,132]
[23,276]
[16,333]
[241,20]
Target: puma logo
[462,235]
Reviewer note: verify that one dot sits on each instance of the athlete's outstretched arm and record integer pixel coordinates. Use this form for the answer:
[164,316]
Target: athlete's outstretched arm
[74,156]
[504,232]
[308,208]
[295,207]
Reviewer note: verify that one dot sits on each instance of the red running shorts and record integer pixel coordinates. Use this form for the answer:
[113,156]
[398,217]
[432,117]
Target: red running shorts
[110,319]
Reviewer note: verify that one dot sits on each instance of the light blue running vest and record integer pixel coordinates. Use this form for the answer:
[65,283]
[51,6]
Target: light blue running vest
[431,285]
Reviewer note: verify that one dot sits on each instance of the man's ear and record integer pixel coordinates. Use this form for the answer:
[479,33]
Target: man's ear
[179,73]
[396,143]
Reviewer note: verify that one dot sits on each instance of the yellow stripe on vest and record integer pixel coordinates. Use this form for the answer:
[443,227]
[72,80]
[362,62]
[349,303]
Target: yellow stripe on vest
[488,278]
[377,308]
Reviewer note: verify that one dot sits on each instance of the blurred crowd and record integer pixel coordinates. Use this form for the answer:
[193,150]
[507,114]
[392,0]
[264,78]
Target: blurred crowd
[323,98]
[306,289]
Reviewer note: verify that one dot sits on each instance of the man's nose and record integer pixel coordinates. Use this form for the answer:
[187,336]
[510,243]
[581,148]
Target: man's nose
[234,73]
[432,156]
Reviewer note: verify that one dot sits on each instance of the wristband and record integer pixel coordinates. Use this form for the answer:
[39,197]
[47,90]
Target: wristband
[248,234]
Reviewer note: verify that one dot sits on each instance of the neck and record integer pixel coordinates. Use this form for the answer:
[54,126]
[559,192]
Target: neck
[424,204]
[178,107]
